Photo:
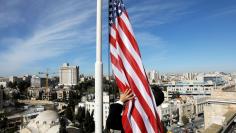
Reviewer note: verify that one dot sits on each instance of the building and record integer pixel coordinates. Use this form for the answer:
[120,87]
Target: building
[46,122]
[3,84]
[189,76]
[68,75]
[90,106]
[220,112]
[199,103]
[214,78]
[168,112]
[186,108]
[14,79]
[153,76]
[38,82]
[190,87]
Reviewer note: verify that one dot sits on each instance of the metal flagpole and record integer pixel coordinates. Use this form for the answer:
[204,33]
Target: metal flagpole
[98,72]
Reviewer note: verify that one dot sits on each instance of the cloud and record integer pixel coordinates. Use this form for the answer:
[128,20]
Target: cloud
[154,13]
[61,27]
[147,39]
[225,11]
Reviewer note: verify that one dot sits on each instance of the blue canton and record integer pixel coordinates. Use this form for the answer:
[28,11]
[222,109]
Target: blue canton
[116,8]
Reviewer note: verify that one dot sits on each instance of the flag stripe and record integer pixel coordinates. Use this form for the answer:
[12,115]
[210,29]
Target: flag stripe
[133,82]
[134,64]
[129,33]
[140,114]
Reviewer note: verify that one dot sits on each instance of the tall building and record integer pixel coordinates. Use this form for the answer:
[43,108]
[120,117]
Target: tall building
[38,82]
[68,75]
[153,76]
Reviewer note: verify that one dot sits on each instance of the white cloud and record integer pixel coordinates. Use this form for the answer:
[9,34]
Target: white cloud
[154,13]
[62,27]
[224,12]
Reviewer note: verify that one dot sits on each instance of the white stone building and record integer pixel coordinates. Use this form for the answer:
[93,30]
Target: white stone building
[190,87]
[37,82]
[90,106]
[199,103]
[153,76]
[68,75]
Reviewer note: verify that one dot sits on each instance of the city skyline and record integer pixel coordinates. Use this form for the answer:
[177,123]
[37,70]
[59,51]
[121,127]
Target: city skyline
[174,36]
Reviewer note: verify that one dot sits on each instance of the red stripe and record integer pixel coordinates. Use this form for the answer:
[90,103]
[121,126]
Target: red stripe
[112,41]
[138,118]
[134,64]
[122,87]
[118,63]
[115,62]
[125,121]
[146,107]
[129,35]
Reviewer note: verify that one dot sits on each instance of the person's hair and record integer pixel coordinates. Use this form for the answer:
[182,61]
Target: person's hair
[159,95]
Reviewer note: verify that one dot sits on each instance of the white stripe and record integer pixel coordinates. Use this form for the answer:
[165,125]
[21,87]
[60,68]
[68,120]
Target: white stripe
[130,48]
[144,116]
[127,23]
[134,126]
[113,51]
[119,74]
[113,33]
[136,80]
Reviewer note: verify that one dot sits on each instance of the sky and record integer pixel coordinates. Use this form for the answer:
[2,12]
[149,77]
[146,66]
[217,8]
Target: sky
[173,35]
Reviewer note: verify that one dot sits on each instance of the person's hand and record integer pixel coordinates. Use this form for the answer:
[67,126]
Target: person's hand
[127,95]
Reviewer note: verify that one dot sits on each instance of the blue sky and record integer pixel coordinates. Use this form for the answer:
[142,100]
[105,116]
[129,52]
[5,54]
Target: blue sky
[173,35]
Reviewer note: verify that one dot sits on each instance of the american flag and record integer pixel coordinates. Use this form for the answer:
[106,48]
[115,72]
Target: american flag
[140,114]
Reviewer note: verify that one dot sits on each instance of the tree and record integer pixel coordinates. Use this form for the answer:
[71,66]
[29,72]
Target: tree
[3,122]
[23,85]
[81,115]
[69,113]
[185,120]
[81,128]
[10,85]
[1,87]
[64,96]
[72,99]
[53,96]
[89,124]
[175,95]
[62,125]
[40,95]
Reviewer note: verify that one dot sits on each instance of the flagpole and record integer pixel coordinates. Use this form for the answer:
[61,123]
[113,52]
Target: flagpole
[98,72]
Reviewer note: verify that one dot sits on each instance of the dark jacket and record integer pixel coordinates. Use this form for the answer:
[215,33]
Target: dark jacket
[114,119]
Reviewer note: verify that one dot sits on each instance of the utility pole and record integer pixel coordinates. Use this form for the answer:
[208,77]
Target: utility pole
[98,72]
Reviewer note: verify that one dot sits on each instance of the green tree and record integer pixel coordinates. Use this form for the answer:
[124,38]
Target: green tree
[89,124]
[53,95]
[69,113]
[1,87]
[185,120]
[81,128]
[23,85]
[64,96]
[175,95]
[62,128]
[81,115]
